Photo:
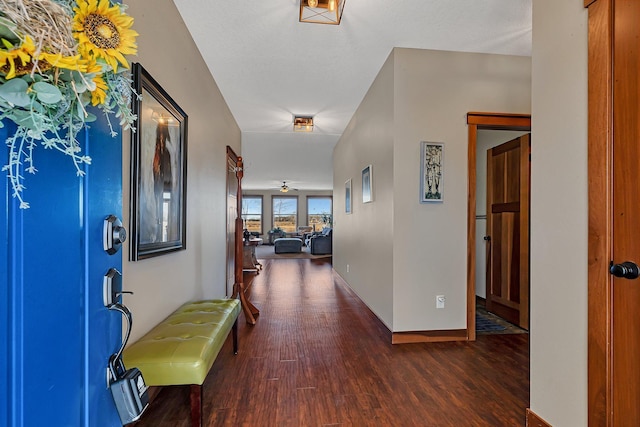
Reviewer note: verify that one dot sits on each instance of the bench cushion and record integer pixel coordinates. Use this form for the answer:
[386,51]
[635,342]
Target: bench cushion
[182,348]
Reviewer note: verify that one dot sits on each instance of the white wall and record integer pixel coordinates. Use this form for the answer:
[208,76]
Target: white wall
[559,223]
[364,239]
[161,284]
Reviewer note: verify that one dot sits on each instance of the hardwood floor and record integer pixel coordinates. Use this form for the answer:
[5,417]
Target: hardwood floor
[318,357]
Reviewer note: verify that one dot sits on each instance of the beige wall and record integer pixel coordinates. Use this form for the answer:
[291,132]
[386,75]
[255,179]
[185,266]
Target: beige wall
[434,92]
[420,249]
[559,203]
[160,284]
[363,240]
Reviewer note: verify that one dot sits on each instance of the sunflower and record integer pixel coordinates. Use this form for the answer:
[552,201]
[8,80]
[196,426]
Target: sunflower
[103,31]
[20,60]
[16,60]
[99,94]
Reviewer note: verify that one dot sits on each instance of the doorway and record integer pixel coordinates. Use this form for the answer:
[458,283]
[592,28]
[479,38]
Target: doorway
[485,131]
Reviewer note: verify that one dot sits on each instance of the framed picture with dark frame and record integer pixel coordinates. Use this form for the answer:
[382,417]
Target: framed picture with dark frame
[367,185]
[347,196]
[158,171]
[431,171]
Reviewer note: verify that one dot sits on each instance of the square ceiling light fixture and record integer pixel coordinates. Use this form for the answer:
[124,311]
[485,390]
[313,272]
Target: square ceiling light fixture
[303,124]
[321,11]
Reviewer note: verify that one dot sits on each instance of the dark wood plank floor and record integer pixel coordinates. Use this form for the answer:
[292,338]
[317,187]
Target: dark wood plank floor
[318,357]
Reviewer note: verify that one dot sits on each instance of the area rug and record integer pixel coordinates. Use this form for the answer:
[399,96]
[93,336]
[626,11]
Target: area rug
[489,323]
[268,252]
[484,324]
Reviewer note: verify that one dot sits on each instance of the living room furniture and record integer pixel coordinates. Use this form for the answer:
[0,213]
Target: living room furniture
[273,235]
[249,260]
[287,245]
[181,349]
[321,244]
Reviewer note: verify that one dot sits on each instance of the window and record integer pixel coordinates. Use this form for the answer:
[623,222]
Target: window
[252,213]
[319,211]
[285,213]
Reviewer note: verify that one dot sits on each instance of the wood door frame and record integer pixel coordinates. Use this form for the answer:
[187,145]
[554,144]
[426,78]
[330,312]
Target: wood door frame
[600,246]
[481,121]
[232,157]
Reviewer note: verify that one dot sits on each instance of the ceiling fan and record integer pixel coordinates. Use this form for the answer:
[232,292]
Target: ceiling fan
[284,188]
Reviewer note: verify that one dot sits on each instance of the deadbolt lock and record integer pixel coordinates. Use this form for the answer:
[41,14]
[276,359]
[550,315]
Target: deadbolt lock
[114,234]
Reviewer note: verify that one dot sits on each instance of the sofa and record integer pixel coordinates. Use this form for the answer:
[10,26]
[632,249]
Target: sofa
[321,243]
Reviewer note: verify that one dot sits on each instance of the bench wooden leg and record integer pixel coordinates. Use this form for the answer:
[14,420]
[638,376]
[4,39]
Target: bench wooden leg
[234,334]
[196,405]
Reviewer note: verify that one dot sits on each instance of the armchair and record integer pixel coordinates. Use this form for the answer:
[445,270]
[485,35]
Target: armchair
[321,244]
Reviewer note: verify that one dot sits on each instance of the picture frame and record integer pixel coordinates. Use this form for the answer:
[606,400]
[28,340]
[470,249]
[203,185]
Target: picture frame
[367,184]
[158,171]
[431,172]
[347,196]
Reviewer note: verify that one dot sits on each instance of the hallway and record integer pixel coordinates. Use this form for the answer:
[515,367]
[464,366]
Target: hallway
[318,357]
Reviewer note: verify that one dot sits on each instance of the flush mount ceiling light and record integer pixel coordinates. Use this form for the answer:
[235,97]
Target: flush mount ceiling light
[321,11]
[303,123]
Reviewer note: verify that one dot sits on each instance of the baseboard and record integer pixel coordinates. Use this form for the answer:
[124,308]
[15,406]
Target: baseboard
[535,421]
[428,336]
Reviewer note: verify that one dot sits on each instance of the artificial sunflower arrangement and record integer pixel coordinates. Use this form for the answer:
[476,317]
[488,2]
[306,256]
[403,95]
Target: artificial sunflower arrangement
[58,58]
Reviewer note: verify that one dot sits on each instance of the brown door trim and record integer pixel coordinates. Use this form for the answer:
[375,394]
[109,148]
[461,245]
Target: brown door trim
[600,146]
[478,121]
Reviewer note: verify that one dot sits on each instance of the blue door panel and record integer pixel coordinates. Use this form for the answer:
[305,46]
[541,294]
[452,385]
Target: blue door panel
[4,293]
[57,334]
[103,327]
[53,287]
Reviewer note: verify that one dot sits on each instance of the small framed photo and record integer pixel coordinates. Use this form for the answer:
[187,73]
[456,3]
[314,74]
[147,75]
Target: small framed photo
[431,171]
[158,171]
[367,185]
[347,196]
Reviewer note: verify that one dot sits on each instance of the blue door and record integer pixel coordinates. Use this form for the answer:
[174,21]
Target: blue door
[57,335]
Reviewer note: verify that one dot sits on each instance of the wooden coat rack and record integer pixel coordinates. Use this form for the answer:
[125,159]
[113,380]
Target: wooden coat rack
[250,311]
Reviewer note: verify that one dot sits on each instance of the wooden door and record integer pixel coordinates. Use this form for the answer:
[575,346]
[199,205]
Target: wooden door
[614,211]
[508,231]
[626,214]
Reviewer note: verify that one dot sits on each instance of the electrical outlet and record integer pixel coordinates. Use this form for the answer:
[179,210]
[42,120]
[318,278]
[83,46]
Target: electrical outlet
[440,299]
[347,268]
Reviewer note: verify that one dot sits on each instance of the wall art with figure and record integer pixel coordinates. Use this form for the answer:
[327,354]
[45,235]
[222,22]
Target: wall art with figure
[158,171]
[431,171]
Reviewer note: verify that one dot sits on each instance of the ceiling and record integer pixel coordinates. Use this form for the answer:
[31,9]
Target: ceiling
[269,67]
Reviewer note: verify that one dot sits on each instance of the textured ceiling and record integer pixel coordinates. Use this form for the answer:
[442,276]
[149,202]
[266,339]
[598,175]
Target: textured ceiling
[269,67]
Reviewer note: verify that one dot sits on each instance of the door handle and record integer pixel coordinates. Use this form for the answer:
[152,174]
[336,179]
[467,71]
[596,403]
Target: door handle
[626,270]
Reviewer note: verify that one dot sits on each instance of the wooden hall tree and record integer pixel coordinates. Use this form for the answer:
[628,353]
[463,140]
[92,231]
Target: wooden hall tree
[614,211]
[234,225]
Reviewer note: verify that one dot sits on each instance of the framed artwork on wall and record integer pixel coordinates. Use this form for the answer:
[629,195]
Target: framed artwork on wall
[431,172]
[158,171]
[367,184]
[347,196]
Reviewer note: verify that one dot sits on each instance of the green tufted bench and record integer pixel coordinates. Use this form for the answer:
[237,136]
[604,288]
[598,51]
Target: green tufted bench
[181,349]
